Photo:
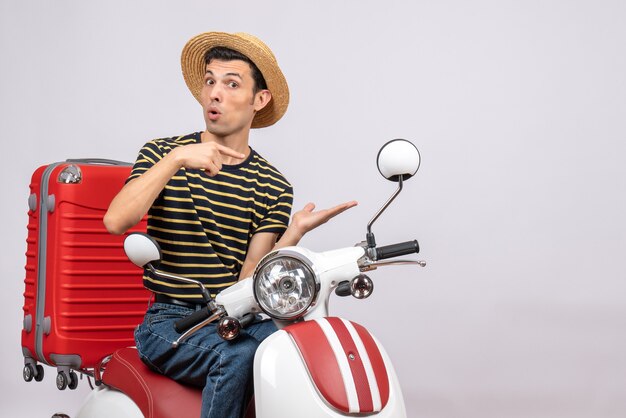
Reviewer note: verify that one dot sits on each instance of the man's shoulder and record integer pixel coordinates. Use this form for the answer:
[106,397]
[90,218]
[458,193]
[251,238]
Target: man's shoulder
[174,141]
[267,170]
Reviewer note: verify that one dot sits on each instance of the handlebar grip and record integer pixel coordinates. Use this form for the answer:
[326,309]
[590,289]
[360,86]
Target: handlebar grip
[343,289]
[187,322]
[395,250]
[247,319]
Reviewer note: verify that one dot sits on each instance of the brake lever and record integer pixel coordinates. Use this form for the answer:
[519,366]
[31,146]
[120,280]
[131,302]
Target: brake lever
[196,327]
[372,265]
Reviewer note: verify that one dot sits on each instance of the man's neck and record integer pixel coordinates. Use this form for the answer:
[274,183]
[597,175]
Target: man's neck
[238,143]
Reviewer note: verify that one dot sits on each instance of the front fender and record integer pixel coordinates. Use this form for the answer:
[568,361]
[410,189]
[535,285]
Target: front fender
[327,367]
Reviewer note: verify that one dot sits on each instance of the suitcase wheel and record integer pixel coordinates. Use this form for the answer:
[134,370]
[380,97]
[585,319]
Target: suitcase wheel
[63,381]
[73,384]
[67,381]
[29,373]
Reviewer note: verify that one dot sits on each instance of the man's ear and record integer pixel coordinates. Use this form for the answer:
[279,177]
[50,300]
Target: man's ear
[261,99]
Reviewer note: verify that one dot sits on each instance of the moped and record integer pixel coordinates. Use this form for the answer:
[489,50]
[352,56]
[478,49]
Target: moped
[314,366]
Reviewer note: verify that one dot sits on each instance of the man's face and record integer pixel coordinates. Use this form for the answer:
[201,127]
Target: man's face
[228,101]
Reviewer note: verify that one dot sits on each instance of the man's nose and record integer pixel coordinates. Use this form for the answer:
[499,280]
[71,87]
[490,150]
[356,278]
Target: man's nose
[216,93]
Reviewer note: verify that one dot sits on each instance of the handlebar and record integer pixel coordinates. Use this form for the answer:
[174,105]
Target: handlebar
[187,322]
[195,318]
[395,250]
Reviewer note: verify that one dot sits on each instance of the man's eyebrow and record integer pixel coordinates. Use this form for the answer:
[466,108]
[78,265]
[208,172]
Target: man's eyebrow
[226,75]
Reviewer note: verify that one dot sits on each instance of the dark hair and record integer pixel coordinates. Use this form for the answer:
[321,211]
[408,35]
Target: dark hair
[226,54]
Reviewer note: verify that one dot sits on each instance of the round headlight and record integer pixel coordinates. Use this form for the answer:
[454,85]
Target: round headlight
[285,286]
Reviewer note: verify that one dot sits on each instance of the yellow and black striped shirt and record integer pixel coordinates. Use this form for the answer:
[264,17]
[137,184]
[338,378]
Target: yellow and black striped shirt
[204,224]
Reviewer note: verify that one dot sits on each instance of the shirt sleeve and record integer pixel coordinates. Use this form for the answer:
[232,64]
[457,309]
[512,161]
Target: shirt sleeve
[278,214]
[148,156]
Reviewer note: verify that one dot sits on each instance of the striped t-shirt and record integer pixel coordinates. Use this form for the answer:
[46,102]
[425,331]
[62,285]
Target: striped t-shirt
[204,224]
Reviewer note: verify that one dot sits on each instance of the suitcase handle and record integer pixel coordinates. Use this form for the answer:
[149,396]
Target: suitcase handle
[97,161]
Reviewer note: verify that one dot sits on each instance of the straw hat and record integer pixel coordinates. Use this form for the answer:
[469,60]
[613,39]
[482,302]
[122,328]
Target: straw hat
[192,62]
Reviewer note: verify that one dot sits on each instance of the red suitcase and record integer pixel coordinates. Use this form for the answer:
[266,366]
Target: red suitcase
[83,297]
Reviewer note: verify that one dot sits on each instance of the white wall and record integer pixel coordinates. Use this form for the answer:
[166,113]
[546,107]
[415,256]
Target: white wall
[517,107]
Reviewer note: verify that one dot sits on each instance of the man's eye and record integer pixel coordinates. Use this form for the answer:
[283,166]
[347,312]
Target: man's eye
[233,85]
[210,82]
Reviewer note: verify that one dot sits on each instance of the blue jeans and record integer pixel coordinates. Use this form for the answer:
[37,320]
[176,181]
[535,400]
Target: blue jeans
[222,368]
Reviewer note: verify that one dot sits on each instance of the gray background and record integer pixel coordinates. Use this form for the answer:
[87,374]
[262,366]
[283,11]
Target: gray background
[518,110]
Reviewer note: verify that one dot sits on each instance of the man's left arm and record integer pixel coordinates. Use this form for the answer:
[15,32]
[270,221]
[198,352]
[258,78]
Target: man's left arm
[302,222]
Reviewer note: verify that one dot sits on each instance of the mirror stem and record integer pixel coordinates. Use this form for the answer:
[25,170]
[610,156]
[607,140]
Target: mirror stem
[205,293]
[371,241]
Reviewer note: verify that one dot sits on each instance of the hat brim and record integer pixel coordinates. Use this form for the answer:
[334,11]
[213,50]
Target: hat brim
[194,68]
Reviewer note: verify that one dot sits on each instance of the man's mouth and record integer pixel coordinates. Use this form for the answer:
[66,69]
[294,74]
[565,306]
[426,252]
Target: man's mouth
[213,114]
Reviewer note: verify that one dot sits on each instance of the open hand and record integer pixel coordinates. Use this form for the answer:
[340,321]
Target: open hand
[306,219]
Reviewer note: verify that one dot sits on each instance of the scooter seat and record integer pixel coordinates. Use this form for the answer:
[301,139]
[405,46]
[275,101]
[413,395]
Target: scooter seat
[157,396]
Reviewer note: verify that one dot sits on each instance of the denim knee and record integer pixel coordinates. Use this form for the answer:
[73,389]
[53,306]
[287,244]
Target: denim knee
[154,336]
[237,358]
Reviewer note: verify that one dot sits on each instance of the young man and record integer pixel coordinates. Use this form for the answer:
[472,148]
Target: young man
[216,207]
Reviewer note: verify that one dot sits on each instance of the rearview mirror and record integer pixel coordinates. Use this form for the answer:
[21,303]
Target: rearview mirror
[142,249]
[397,158]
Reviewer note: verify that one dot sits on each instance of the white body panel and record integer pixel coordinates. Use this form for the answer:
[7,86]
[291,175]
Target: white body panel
[283,387]
[104,402]
[238,299]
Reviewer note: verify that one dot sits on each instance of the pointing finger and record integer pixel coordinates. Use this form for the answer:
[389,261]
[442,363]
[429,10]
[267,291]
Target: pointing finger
[229,151]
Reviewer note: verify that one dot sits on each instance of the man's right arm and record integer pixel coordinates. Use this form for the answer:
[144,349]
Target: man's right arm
[136,197]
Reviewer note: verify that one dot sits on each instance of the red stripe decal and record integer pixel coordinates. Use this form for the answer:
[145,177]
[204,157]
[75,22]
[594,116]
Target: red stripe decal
[321,362]
[380,371]
[356,365]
